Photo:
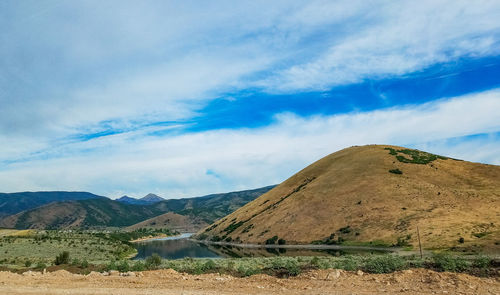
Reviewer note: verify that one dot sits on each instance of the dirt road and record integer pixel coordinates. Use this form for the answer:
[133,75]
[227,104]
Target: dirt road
[417,281]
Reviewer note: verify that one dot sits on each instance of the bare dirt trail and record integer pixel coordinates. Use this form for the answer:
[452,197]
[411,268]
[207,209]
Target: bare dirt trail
[417,281]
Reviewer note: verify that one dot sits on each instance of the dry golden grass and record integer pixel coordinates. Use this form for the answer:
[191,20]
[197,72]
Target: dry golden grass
[447,199]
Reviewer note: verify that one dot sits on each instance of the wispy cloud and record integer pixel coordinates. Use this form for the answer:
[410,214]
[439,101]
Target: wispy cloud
[100,96]
[68,65]
[176,166]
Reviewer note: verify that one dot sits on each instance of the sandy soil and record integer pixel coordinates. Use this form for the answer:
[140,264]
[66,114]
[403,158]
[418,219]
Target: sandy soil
[417,281]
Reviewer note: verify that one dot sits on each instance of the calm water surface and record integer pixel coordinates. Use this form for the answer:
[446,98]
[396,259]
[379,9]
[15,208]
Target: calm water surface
[180,247]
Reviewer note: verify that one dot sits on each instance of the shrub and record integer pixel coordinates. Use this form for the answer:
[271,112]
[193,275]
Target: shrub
[62,258]
[40,265]
[248,270]
[27,263]
[84,264]
[347,263]
[481,261]
[272,240]
[153,261]
[345,230]
[396,171]
[446,262]
[384,264]
[209,265]
[315,262]
[111,266]
[138,266]
[123,266]
[286,267]
[281,242]
[461,240]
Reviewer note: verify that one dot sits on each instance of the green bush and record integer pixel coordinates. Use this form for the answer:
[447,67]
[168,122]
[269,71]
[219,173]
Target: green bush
[461,240]
[384,264]
[62,258]
[153,261]
[138,266]
[27,263]
[40,265]
[281,242]
[315,262]
[111,266]
[446,262]
[84,263]
[286,266]
[345,230]
[272,240]
[248,270]
[396,171]
[481,261]
[209,265]
[123,266]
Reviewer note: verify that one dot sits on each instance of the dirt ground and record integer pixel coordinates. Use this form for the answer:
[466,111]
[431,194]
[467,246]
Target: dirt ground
[417,281]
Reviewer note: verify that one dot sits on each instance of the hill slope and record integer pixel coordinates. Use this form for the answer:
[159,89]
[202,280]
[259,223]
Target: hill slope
[80,214]
[196,212]
[173,221]
[352,195]
[13,203]
[212,207]
[192,214]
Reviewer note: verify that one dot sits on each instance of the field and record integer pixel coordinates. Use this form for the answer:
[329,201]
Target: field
[38,249]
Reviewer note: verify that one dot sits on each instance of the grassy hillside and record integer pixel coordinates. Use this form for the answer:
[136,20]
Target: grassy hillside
[375,194]
[16,202]
[173,221]
[81,214]
[212,207]
[190,213]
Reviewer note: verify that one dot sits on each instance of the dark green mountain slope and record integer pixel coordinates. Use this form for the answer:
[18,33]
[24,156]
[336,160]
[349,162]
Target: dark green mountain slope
[104,212]
[13,203]
[212,207]
[88,213]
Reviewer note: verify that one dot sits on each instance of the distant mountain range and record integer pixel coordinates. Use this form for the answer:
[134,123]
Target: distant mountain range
[85,210]
[12,203]
[146,200]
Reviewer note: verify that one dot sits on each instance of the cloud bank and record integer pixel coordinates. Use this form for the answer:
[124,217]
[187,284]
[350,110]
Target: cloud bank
[198,163]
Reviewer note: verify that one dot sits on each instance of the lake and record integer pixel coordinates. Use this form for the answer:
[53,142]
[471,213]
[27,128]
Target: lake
[181,246]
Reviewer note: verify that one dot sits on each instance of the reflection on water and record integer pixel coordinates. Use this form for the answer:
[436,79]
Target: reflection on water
[173,249]
[181,247]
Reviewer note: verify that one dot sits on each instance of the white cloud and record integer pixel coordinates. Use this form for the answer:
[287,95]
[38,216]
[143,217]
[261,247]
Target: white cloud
[177,165]
[401,37]
[67,66]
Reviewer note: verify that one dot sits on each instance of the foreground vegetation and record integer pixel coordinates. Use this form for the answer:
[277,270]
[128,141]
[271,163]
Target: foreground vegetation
[292,266]
[283,266]
[30,248]
[85,251]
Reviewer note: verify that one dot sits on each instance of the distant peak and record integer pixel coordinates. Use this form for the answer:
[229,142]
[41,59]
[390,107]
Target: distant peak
[152,198]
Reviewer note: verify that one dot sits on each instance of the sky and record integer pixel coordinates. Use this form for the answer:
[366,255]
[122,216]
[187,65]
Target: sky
[187,98]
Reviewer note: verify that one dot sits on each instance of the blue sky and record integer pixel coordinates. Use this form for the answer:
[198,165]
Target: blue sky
[186,98]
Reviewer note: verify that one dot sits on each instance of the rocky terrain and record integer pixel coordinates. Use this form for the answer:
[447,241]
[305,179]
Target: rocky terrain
[415,282]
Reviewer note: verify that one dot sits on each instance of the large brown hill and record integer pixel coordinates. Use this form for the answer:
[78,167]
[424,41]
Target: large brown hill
[377,194]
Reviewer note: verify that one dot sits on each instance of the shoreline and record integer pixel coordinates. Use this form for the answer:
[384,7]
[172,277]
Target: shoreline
[298,246]
[161,238]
